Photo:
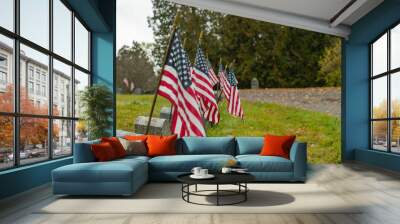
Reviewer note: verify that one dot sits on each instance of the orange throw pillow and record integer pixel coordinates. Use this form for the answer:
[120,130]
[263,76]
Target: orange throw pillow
[277,146]
[103,152]
[136,137]
[116,145]
[161,145]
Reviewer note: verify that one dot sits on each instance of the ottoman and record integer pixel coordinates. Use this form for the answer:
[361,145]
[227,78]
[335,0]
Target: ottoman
[119,177]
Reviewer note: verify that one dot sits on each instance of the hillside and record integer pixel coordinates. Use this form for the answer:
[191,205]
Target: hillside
[321,131]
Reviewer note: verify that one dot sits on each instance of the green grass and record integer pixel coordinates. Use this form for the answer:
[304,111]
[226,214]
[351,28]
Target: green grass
[131,106]
[320,131]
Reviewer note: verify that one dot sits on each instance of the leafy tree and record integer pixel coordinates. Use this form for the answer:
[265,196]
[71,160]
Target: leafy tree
[380,128]
[135,69]
[296,56]
[330,64]
[395,124]
[6,132]
[278,56]
[81,130]
[191,23]
[34,130]
[246,42]
[6,122]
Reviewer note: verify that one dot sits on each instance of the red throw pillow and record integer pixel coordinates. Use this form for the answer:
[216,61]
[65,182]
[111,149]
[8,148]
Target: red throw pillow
[161,145]
[103,152]
[116,145]
[136,137]
[277,146]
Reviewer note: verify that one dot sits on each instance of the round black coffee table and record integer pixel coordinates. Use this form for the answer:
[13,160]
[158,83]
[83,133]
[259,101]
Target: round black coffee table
[238,179]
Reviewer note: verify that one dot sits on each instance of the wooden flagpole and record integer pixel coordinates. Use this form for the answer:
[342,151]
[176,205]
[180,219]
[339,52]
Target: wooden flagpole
[232,63]
[162,69]
[200,37]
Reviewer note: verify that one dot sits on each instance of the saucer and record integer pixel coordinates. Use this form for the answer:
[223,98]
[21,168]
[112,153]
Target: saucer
[240,171]
[208,176]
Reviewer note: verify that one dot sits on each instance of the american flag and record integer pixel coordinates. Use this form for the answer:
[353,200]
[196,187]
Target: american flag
[204,88]
[176,85]
[213,77]
[234,106]
[224,84]
[126,82]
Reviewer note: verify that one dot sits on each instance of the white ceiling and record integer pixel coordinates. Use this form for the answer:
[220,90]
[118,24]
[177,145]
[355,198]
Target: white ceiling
[314,15]
[321,9]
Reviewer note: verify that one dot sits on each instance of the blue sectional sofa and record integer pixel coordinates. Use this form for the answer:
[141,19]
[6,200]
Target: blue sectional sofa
[125,176]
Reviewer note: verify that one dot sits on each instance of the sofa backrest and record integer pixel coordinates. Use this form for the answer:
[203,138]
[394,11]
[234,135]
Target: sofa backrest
[83,152]
[249,145]
[206,145]
[191,146]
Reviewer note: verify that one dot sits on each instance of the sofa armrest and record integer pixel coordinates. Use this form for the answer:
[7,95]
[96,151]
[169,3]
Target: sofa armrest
[298,155]
[83,152]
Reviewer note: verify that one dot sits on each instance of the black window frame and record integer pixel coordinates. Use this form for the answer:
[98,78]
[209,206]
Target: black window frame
[16,114]
[388,74]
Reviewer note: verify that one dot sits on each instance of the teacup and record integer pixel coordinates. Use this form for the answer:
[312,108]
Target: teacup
[226,170]
[196,171]
[203,172]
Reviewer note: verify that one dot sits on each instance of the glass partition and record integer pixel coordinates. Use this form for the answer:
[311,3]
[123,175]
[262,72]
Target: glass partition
[385,93]
[40,80]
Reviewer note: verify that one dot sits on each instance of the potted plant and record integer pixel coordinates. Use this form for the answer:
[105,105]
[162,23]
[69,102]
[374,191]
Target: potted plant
[96,102]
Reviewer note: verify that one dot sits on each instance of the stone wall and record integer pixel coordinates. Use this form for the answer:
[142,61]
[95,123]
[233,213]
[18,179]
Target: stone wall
[322,99]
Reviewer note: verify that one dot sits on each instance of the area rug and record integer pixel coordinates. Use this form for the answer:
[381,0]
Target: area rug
[166,198]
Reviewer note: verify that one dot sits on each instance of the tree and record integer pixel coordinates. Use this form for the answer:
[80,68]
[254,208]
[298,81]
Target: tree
[380,128]
[192,22]
[395,124]
[278,56]
[330,64]
[6,132]
[135,69]
[33,131]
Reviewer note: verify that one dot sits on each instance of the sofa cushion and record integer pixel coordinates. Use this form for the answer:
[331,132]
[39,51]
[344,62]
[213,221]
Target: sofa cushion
[116,145]
[257,163]
[112,171]
[206,145]
[249,145]
[161,145]
[136,137]
[135,147]
[103,152]
[185,163]
[277,145]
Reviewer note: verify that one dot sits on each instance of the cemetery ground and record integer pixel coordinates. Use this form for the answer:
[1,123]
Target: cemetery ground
[320,130]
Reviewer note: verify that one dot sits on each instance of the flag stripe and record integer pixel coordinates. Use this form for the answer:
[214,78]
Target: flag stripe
[224,83]
[213,76]
[234,104]
[187,105]
[202,78]
[176,86]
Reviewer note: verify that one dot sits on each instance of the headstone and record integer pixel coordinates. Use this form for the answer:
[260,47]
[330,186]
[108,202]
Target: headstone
[121,133]
[165,113]
[158,126]
[138,91]
[254,83]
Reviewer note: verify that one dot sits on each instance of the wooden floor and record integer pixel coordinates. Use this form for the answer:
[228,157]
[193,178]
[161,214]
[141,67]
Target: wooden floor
[378,189]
